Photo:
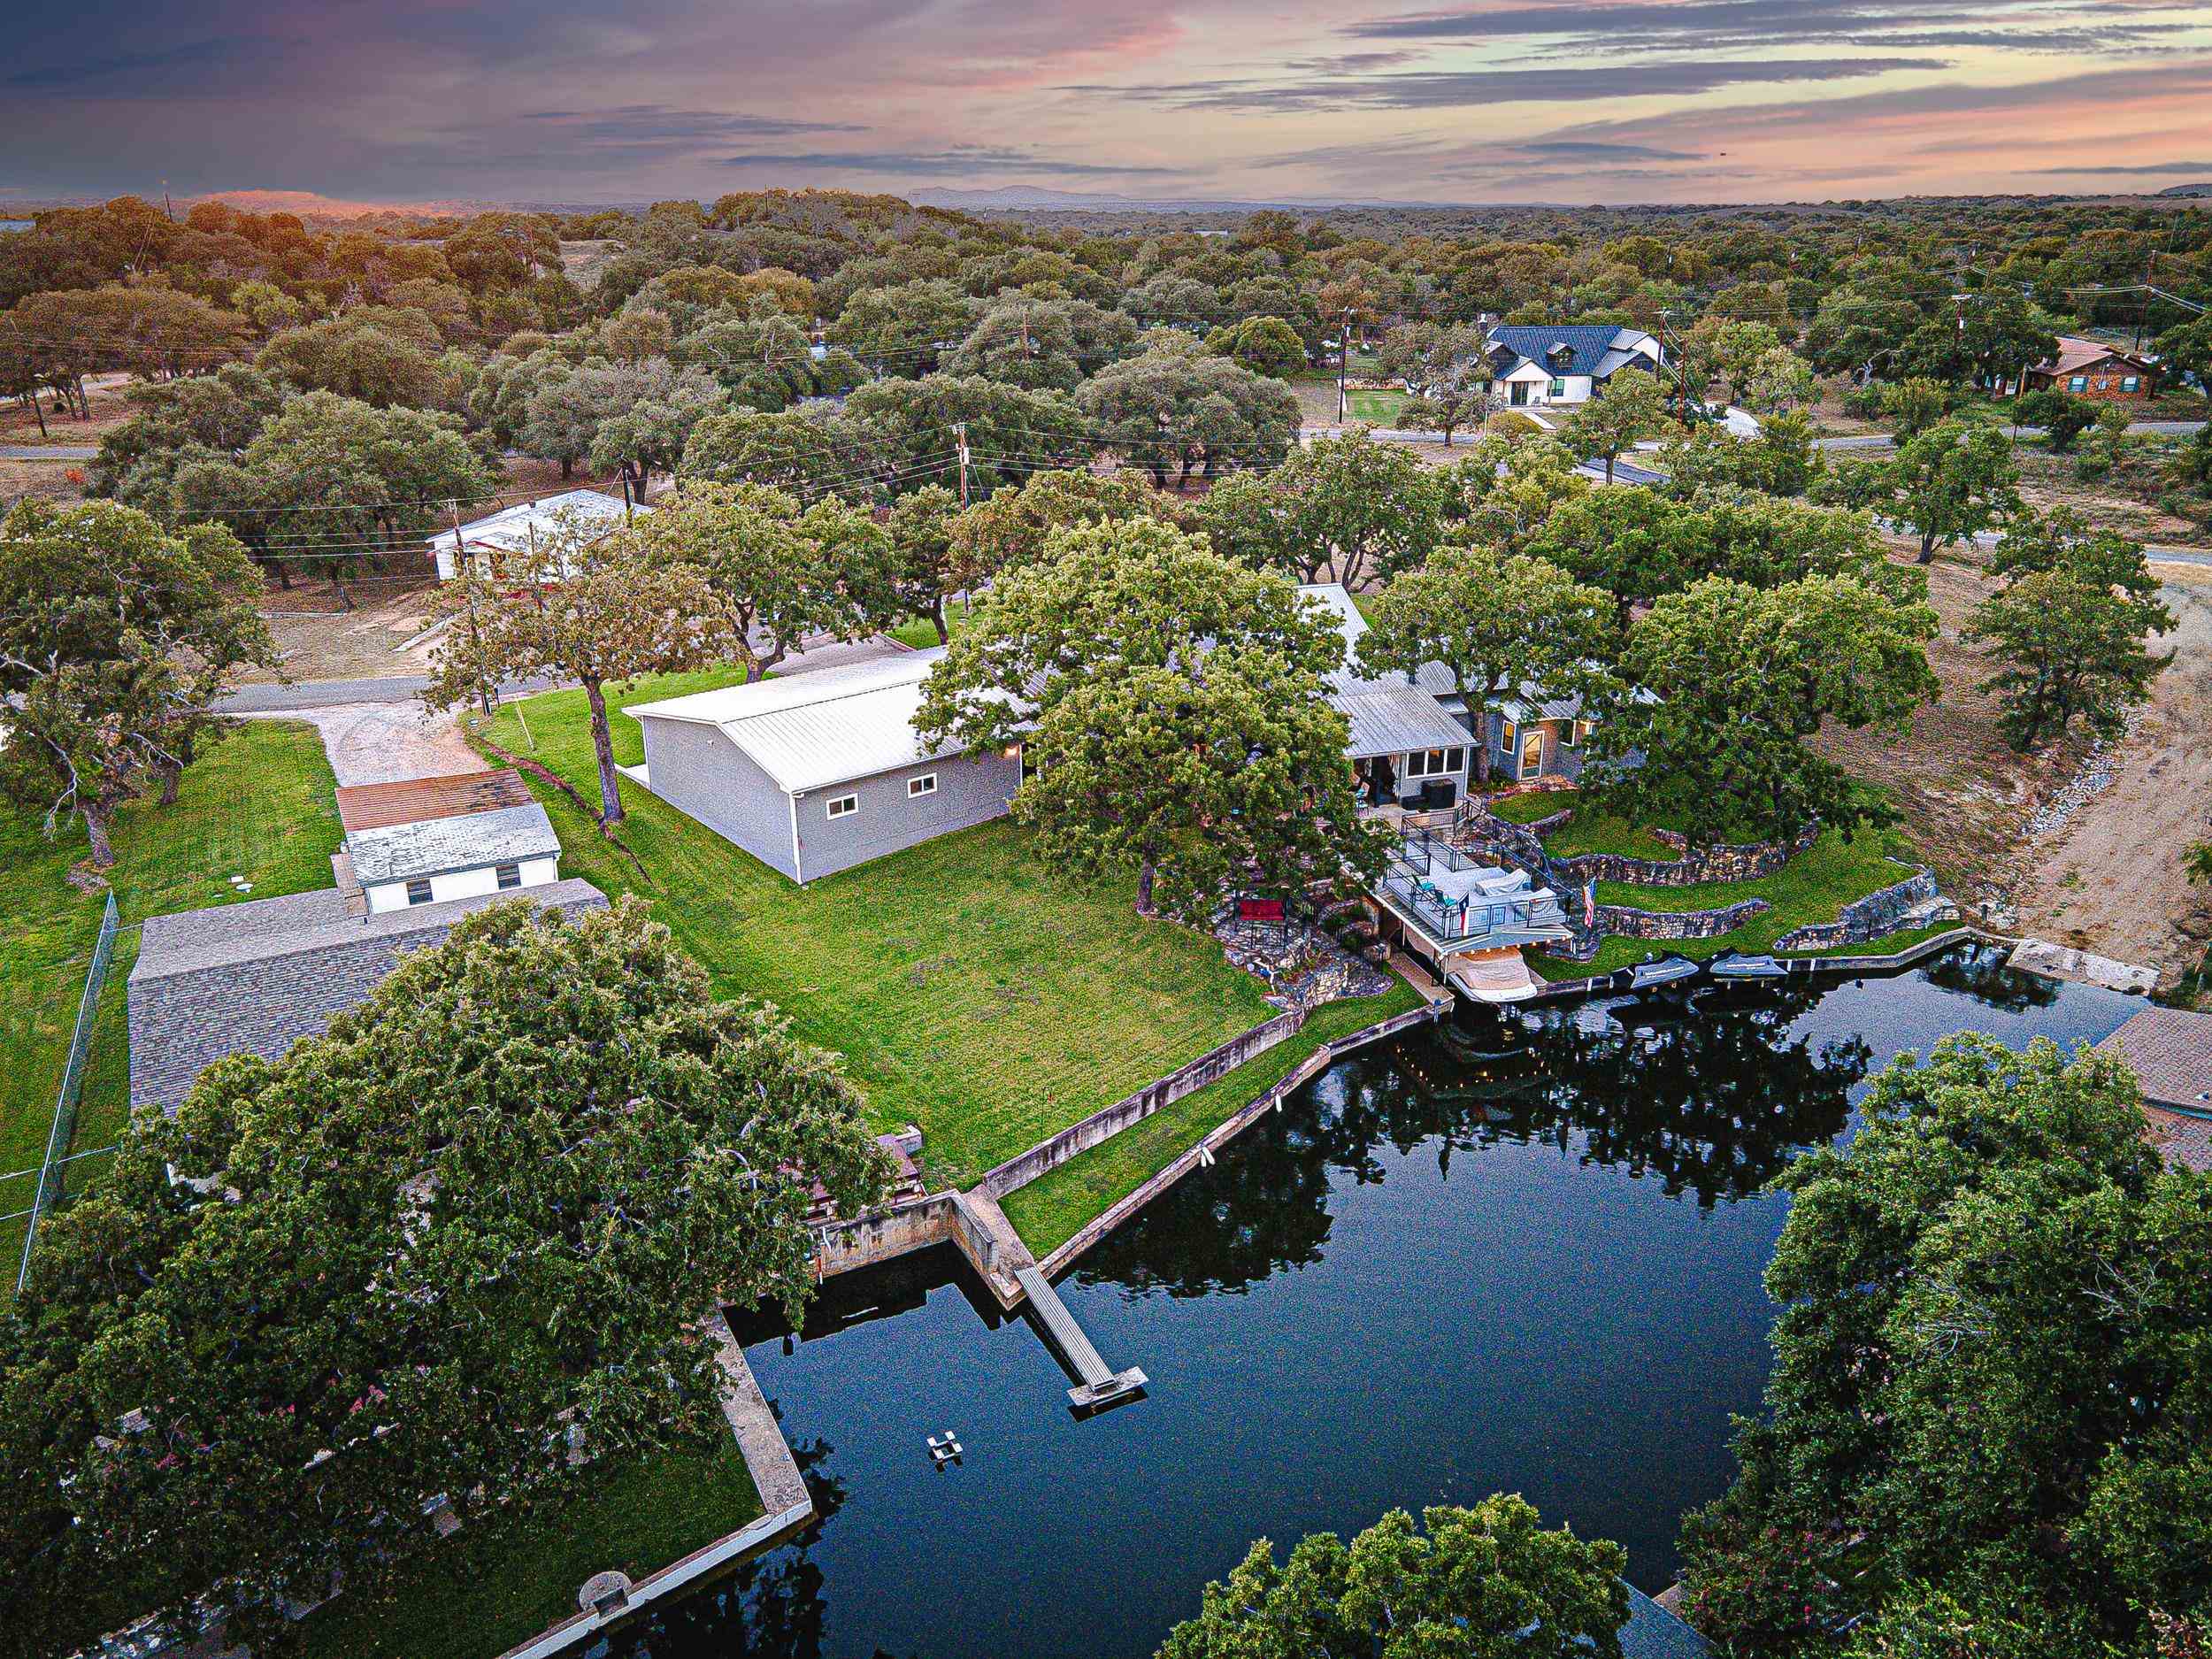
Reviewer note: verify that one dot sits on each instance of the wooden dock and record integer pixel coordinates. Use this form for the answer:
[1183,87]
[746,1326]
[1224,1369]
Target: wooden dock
[1102,1385]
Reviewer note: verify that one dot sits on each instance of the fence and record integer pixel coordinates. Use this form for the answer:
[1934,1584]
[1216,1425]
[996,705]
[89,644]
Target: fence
[49,1174]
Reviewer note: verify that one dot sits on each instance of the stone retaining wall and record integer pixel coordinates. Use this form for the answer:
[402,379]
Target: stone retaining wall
[1024,1167]
[1629,924]
[1694,864]
[1866,918]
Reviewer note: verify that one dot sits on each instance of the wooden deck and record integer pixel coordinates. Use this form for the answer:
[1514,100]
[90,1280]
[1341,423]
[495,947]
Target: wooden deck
[1102,1385]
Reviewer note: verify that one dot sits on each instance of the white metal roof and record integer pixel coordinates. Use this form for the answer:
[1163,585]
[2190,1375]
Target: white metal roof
[474,840]
[825,726]
[511,529]
[1389,714]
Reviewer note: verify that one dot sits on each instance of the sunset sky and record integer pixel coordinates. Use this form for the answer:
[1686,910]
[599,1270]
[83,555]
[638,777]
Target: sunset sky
[1289,100]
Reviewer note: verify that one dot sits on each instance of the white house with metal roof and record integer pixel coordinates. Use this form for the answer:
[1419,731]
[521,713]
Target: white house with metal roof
[1565,363]
[525,541]
[400,866]
[822,769]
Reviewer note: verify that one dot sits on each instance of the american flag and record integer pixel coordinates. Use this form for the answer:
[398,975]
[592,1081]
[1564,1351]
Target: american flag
[1590,905]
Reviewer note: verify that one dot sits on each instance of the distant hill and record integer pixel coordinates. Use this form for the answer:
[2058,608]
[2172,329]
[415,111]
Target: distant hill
[2188,189]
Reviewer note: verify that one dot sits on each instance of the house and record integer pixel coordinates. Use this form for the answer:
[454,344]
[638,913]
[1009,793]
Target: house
[518,542]
[432,840]
[1534,363]
[2089,368]
[255,977]
[2170,1050]
[822,769]
[1414,742]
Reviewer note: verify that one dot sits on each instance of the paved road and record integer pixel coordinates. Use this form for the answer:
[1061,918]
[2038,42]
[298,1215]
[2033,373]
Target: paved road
[1882,440]
[49,451]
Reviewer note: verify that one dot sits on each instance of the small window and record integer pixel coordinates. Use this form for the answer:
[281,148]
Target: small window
[419,890]
[509,876]
[1506,732]
[2080,383]
[1558,391]
[916,787]
[2130,382]
[1569,734]
[843,805]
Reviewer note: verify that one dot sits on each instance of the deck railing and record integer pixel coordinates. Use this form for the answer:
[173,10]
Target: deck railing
[1450,920]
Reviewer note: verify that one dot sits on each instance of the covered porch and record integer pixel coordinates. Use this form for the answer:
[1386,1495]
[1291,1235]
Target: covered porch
[1466,919]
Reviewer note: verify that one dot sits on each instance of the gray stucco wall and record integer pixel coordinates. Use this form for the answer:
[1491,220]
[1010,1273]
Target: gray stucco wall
[701,772]
[969,790]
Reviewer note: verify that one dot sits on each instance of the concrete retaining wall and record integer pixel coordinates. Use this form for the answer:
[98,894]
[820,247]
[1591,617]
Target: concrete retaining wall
[1024,1167]
[1312,1066]
[879,1236]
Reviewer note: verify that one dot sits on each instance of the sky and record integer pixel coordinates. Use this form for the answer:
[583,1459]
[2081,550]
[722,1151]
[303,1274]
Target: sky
[1579,101]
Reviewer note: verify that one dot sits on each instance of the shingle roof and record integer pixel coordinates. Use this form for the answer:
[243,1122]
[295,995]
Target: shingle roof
[2079,354]
[474,840]
[1589,345]
[1653,1633]
[256,977]
[2170,1050]
[829,726]
[363,806]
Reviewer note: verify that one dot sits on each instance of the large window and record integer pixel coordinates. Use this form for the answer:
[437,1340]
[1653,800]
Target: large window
[2080,383]
[843,805]
[1435,763]
[1558,391]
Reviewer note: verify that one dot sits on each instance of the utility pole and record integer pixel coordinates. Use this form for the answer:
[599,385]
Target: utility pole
[960,433]
[626,519]
[2143,314]
[468,587]
[1343,365]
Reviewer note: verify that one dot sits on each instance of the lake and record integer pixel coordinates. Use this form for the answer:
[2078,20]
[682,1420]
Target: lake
[1513,1254]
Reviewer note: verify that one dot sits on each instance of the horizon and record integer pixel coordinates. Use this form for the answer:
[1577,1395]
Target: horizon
[1497,102]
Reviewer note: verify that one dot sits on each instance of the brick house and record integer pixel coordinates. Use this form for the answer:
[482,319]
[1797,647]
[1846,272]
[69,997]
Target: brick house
[2089,368]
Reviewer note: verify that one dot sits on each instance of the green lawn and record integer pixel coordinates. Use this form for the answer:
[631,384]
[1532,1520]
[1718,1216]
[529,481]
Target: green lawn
[921,633]
[257,806]
[1378,408]
[1052,1209]
[971,989]
[1529,807]
[1814,887]
[499,1581]
[1595,832]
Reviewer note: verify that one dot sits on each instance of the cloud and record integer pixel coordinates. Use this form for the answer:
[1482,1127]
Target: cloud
[656,124]
[129,69]
[2204,167]
[960,161]
[1599,150]
[1437,89]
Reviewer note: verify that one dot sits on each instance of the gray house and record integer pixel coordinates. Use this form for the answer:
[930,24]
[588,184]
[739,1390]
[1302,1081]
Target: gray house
[822,769]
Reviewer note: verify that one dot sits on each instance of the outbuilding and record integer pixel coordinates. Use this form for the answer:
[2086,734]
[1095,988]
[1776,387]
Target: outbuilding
[821,770]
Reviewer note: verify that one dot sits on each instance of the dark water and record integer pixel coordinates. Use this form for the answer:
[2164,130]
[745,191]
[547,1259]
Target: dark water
[1490,1258]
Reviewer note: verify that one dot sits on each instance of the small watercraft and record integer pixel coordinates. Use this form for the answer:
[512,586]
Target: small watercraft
[1736,965]
[1650,976]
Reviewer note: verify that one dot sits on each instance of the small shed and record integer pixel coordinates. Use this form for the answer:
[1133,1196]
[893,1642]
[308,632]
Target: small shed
[519,542]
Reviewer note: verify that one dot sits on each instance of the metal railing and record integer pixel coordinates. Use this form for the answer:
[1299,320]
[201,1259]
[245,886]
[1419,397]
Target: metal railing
[1449,920]
[65,1129]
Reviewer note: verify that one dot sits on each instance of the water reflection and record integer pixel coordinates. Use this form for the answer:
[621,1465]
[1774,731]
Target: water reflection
[1518,1253]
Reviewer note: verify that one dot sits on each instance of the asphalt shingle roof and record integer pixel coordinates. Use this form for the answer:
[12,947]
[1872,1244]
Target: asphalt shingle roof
[474,840]
[373,805]
[2170,1050]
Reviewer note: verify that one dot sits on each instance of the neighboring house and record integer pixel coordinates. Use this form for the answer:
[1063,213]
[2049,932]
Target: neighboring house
[2170,1050]
[256,977]
[428,841]
[821,770]
[1542,363]
[1411,739]
[2089,368]
[519,543]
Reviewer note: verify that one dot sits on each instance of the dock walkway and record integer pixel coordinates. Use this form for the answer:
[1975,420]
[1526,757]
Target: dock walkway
[1102,1385]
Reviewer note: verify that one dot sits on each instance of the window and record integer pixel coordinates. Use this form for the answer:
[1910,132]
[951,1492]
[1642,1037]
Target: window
[916,787]
[419,890]
[1506,730]
[2130,382]
[843,805]
[2080,383]
[508,876]
[1569,734]
[1558,391]
[1434,762]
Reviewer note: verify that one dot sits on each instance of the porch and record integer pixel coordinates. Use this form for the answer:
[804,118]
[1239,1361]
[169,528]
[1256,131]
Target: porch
[1450,902]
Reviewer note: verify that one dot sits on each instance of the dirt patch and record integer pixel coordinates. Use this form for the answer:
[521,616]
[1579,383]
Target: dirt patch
[321,641]
[2111,880]
[2126,502]
[387,743]
[1962,791]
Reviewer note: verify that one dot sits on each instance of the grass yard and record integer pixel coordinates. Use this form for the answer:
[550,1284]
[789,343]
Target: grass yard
[1528,807]
[972,989]
[500,1581]
[1813,887]
[1594,833]
[257,806]
[1377,407]
[1051,1209]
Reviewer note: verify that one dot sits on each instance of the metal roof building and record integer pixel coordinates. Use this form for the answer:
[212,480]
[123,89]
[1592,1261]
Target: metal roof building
[507,542]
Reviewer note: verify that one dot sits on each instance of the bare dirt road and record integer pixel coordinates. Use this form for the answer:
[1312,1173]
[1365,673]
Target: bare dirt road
[2110,879]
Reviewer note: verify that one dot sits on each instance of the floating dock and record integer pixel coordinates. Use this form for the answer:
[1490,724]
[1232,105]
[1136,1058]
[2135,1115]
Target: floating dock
[1102,1386]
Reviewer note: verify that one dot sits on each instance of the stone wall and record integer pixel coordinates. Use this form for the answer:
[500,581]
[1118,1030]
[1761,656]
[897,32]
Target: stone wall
[1108,1121]
[1694,864]
[1623,923]
[881,1235]
[1870,917]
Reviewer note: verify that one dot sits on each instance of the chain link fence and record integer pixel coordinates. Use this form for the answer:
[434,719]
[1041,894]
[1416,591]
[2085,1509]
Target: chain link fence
[50,1173]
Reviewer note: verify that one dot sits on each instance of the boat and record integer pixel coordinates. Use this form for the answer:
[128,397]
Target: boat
[1736,965]
[1650,976]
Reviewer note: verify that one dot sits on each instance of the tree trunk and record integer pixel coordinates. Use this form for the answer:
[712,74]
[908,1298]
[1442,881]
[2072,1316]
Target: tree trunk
[1927,546]
[568,468]
[937,616]
[1145,873]
[95,831]
[1482,742]
[602,746]
[1608,468]
[171,772]
[38,408]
